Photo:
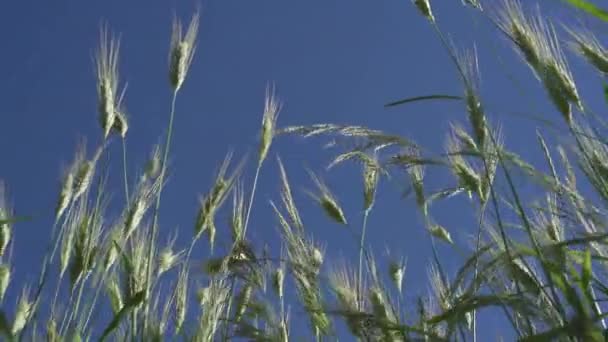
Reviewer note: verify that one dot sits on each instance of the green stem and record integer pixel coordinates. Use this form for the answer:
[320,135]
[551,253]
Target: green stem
[253,188]
[124,167]
[360,274]
[157,208]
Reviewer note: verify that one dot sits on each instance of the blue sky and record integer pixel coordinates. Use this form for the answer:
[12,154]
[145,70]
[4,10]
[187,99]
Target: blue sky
[332,61]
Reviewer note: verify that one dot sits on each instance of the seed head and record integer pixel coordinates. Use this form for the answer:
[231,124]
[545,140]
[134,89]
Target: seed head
[168,258]
[115,296]
[182,50]
[65,195]
[424,6]
[5,278]
[537,42]
[587,45]
[181,297]
[440,232]
[152,169]
[272,106]
[106,62]
[396,271]
[278,280]
[327,201]
[121,124]
[22,315]
[5,227]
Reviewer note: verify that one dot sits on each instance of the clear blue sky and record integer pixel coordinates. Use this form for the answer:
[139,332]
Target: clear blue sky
[332,61]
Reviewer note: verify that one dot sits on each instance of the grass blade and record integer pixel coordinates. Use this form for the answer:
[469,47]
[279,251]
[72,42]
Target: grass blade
[423,98]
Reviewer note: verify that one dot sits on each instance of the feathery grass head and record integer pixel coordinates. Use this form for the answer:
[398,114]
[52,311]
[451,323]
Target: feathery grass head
[5,227]
[424,6]
[469,66]
[212,201]
[121,122]
[327,200]
[65,194]
[181,50]
[25,308]
[168,258]
[538,43]
[5,279]
[272,106]
[278,281]
[152,169]
[396,270]
[586,44]
[180,294]
[106,62]
[114,294]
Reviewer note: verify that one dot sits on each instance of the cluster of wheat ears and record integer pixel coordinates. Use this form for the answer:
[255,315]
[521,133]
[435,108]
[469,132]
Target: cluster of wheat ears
[541,264]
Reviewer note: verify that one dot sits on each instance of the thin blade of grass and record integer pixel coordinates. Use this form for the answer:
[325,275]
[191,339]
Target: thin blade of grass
[590,8]
[423,98]
[130,304]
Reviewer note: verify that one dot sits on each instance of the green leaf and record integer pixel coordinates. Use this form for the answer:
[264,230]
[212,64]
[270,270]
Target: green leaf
[130,304]
[586,270]
[422,98]
[590,8]
[606,92]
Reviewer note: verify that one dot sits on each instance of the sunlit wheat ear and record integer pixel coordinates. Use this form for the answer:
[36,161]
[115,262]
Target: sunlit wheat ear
[468,178]
[213,300]
[327,200]
[52,333]
[587,45]
[65,194]
[343,283]
[25,307]
[114,294]
[278,281]
[272,106]
[473,3]
[5,227]
[152,168]
[538,43]
[121,123]
[181,50]
[181,297]
[141,202]
[238,212]
[212,201]
[396,271]
[5,279]
[469,66]
[440,232]
[84,171]
[106,62]
[168,258]
[424,6]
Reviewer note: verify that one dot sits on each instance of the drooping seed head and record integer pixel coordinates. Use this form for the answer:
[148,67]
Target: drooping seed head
[168,258]
[278,280]
[243,299]
[5,215]
[396,271]
[5,279]
[424,6]
[440,232]
[114,293]
[182,50]
[587,45]
[537,41]
[371,175]
[272,106]
[23,312]
[106,62]
[181,298]
[65,195]
[121,123]
[328,201]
